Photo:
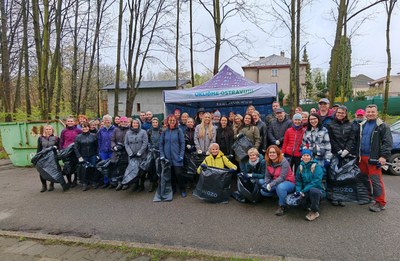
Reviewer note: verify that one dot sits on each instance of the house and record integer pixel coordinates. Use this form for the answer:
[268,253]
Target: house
[394,89]
[149,97]
[360,83]
[274,69]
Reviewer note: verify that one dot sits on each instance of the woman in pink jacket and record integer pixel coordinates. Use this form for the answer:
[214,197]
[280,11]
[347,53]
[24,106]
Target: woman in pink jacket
[292,142]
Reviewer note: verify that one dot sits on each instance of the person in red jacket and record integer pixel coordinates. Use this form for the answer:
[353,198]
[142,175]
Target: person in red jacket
[292,142]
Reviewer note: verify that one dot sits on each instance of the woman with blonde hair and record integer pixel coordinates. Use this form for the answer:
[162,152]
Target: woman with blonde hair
[237,123]
[204,134]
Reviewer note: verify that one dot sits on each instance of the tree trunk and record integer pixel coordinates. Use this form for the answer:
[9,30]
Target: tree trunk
[5,66]
[389,10]
[298,12]
[17,98]
[177,45]
[334,64]
[80,98]
[25,7]
[118,65]
[293,89]
[74,73]
[217,29]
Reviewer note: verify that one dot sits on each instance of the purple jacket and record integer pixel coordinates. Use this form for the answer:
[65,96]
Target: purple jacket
[68,136]
[104,138]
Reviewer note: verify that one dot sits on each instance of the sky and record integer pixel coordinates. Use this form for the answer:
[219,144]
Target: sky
[318,29]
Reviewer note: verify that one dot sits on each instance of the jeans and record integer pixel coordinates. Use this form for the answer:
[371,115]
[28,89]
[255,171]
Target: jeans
[104,156]
[313,196]
[90,175]
[281,190]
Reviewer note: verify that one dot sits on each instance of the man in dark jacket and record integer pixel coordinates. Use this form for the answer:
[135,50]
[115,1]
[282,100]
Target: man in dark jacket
[374,148]
[278,127]
[324,112]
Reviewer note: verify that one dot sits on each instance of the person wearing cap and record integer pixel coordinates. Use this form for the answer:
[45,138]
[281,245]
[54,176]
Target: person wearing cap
[292,141]
[316,139]
[154,135]
[309,184]
[335,106]
[374,145]
[324,112]
[215,118]
[119,157]
[278,127]
[199,115]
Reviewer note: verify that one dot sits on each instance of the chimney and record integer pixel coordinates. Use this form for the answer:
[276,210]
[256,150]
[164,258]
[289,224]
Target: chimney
[282,53]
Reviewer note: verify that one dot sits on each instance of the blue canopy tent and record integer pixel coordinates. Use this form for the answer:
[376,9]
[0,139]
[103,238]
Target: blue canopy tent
[226,91]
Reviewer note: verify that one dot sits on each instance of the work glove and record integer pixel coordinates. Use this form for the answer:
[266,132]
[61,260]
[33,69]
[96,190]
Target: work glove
[203,166]
[296,194]
[302,194]
[81,159]
[277,142]
[97,158]
[199,152]
[339,153]
[162,158]
[327,163]
[115,148]
[188,147]
[239,135]
[344,153]
[138,154]
[268,187]
[207,153]
[232,171]
[249,175]
[180,159]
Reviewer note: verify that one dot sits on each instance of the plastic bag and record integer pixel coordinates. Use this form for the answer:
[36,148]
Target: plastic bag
[293,200]
[104,167]
[214,185]
[164,189]
[241,146]
[69,167]
[356,193]
[86,172]
[146,162]
[132,171]
[47,165]
[190,164]
[67,154]
[343,171]
[249,189]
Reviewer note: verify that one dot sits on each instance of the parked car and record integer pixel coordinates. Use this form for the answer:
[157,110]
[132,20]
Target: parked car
[394,159]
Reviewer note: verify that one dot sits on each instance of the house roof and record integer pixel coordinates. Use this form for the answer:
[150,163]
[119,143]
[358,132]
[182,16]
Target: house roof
[361,79]
[382,79]
[271,61]
[150,85]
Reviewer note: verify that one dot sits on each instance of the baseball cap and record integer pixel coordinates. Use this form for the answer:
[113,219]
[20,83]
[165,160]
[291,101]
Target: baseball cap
[324,100]
[360,112]
[279,110]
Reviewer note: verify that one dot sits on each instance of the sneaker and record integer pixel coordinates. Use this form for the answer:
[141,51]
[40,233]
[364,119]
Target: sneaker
[119,187]
[183,194]
[85,187]
[44,188]
[312,216]
[335,203]
[376,207]
[280,211]
[51,187]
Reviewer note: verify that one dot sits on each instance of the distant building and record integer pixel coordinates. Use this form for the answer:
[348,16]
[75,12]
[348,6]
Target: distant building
[274,68]
[394,89]
[149,97]
[360,83]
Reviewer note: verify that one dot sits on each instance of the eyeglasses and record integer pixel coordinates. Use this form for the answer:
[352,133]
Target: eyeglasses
[272,152]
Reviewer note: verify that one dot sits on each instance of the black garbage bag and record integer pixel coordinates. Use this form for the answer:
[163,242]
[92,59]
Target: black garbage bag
[241,146]
[69,167]
[214,185]
[164,189]
[146,162]
[105,167]
[190,164]
[86,172]
[248,189]
[67,154]
[47,165]
[355,193]
[132,171]
[343,171]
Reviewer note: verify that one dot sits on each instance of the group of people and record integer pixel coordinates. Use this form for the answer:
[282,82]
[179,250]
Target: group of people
[288,156]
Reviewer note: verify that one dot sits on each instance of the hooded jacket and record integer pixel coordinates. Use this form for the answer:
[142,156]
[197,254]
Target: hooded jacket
[292,141]
[341,135]
[172,146]
[277,129]
[104,138]
[136,141]
[219,161]
[68,136]
[118,136]
[252,133]
[257,170]
[309,175]
[317,140]
[279,172]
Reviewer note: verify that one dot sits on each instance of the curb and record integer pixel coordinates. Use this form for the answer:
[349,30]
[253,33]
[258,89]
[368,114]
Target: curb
[115,243]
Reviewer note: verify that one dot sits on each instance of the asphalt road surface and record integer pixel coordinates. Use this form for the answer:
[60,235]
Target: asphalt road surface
[341,233]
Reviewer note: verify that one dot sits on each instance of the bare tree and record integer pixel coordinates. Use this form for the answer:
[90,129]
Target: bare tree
[118,66]
[5,84]
[389,10]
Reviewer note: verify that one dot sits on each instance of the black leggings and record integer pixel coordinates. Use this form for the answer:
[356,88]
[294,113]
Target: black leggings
[177,178]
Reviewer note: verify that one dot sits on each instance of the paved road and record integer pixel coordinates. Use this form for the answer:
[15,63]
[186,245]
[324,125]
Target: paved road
[349,233]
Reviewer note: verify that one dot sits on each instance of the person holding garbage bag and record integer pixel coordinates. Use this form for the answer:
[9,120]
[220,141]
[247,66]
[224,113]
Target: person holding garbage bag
[86,153]
[136,142]
[172,149]
[154,134]
[217,159]
[47,140]
[119,157]
[279,179]
[309,186]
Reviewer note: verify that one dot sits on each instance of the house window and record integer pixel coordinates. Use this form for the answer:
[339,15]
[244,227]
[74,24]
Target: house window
[138,107]
[274,72]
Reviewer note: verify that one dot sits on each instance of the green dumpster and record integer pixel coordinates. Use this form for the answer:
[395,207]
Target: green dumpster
[20,139]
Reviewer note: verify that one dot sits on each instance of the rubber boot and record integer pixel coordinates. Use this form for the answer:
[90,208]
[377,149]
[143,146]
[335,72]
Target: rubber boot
[119,186]
[51,187]
[65,186]
[141,182]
